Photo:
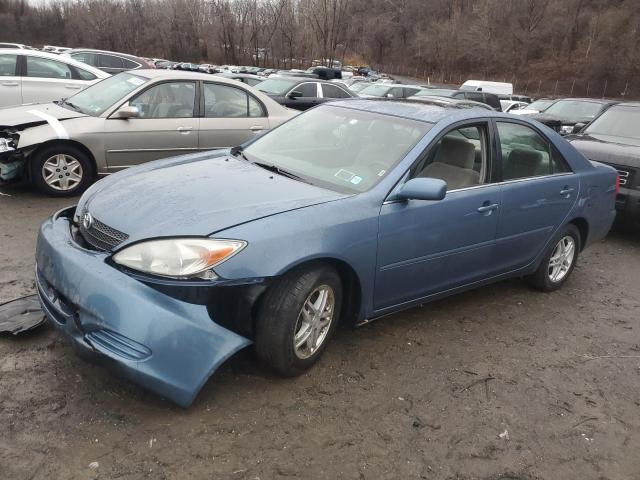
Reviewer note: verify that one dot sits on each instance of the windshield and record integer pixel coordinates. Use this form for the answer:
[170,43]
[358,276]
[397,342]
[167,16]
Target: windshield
[619,121]
[574,109]
[376,90]
[276,86]
[97,98]
[539,105]
[435,92]
[358,86]
[338,148]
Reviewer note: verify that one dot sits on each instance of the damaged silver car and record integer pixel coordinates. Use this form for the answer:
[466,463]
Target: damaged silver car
[125,120]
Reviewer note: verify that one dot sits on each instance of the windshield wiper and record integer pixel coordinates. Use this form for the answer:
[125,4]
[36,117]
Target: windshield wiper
[281,171]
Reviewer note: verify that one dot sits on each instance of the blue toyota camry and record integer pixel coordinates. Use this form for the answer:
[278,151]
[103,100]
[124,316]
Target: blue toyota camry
[350,211]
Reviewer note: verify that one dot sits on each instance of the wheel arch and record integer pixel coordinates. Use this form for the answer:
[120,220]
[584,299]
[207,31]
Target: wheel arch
[351,285]
[56,141]
[583,227]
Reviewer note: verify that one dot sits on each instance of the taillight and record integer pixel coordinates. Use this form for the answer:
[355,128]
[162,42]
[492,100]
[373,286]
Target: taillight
[617,184]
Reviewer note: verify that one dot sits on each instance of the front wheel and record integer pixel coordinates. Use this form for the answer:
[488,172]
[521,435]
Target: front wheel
[62,170]
[297,317]
[558,262]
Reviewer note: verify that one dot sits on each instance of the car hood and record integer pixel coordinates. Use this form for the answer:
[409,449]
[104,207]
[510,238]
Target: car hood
[558,120]
[608,149]
[35,114]
[195,195]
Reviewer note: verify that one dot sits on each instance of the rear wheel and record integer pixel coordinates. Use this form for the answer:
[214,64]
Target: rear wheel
[62,170]
[558,262]
[297,317]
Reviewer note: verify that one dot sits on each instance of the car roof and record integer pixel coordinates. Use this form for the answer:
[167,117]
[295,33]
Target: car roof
[93,50]
[239,75]
[54,56]
[180,75]
[420,110]
[300,79]
[601,101]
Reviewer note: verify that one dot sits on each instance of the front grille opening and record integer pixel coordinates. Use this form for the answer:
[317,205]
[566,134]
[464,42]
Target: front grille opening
[100,236]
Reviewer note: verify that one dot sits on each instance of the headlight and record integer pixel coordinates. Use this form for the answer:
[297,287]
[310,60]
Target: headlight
[179,257]
[566,129]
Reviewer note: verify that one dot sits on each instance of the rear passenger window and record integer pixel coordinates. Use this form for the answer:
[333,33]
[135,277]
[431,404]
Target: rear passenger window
[459,158]
[331,91]
[8,65]
[222,101]
[131,65]
[47,68]
[109,61]
[527,154]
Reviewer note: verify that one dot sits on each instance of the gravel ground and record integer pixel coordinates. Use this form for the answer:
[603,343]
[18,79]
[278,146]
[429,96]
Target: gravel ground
[499,383]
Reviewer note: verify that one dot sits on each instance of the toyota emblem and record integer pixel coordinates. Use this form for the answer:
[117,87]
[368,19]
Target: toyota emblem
[87,221]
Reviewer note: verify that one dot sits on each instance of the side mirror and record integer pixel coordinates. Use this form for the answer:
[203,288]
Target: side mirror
[126,112]
[578,127]
[423,189]
[295,94]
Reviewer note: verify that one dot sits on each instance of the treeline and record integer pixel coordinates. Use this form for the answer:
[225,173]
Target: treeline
[543,44]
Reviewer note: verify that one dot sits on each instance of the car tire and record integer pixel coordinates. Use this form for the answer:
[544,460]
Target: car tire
[286,316]
[558,263]
[62,170]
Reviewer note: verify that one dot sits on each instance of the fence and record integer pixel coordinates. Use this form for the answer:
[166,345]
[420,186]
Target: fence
[575,87]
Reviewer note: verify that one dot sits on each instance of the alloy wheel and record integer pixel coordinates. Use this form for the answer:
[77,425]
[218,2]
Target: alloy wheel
[62,172]
[314,321]
[562,259]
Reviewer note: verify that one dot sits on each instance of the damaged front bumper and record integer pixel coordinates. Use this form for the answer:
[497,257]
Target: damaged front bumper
[11,159]
[163,343]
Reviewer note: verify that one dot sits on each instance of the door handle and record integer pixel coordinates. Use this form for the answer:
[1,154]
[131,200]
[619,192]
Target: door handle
[73,87]
[567,191]
[184,130]
[10,84]
[488,208]
[256,128]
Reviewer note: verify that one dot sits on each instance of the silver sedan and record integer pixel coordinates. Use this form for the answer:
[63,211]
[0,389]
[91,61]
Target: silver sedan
[128,119]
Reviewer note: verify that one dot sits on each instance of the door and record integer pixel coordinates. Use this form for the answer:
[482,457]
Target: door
[230,116]
[166,126]
[10,81]
[427,247]
[310,96]
[45,80]
[539,190]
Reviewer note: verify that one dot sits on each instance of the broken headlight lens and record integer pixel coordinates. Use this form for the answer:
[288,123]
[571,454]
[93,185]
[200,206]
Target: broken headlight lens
[179,257]
[6,145]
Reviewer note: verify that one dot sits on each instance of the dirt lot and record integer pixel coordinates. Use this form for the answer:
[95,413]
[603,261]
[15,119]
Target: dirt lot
[422,394]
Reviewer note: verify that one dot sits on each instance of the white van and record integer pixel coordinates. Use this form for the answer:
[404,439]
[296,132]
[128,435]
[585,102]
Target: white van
[499,88]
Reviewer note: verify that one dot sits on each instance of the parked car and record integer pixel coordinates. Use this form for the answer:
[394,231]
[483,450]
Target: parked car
[54,49]
[249,79]
[110,62]
[127,119]
[565,113]
[14,46]
[384,90]
[613,137]
[537,106]
[347,213]
[482,97]
[302,93]
[510,106]
[31,76]
[502,88]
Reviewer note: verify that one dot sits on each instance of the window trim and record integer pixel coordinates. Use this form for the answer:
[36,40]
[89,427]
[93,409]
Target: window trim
[137,93]
[498,169]
[201,113]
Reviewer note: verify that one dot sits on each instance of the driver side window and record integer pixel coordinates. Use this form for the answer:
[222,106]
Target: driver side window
[167,100]
[459,158]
